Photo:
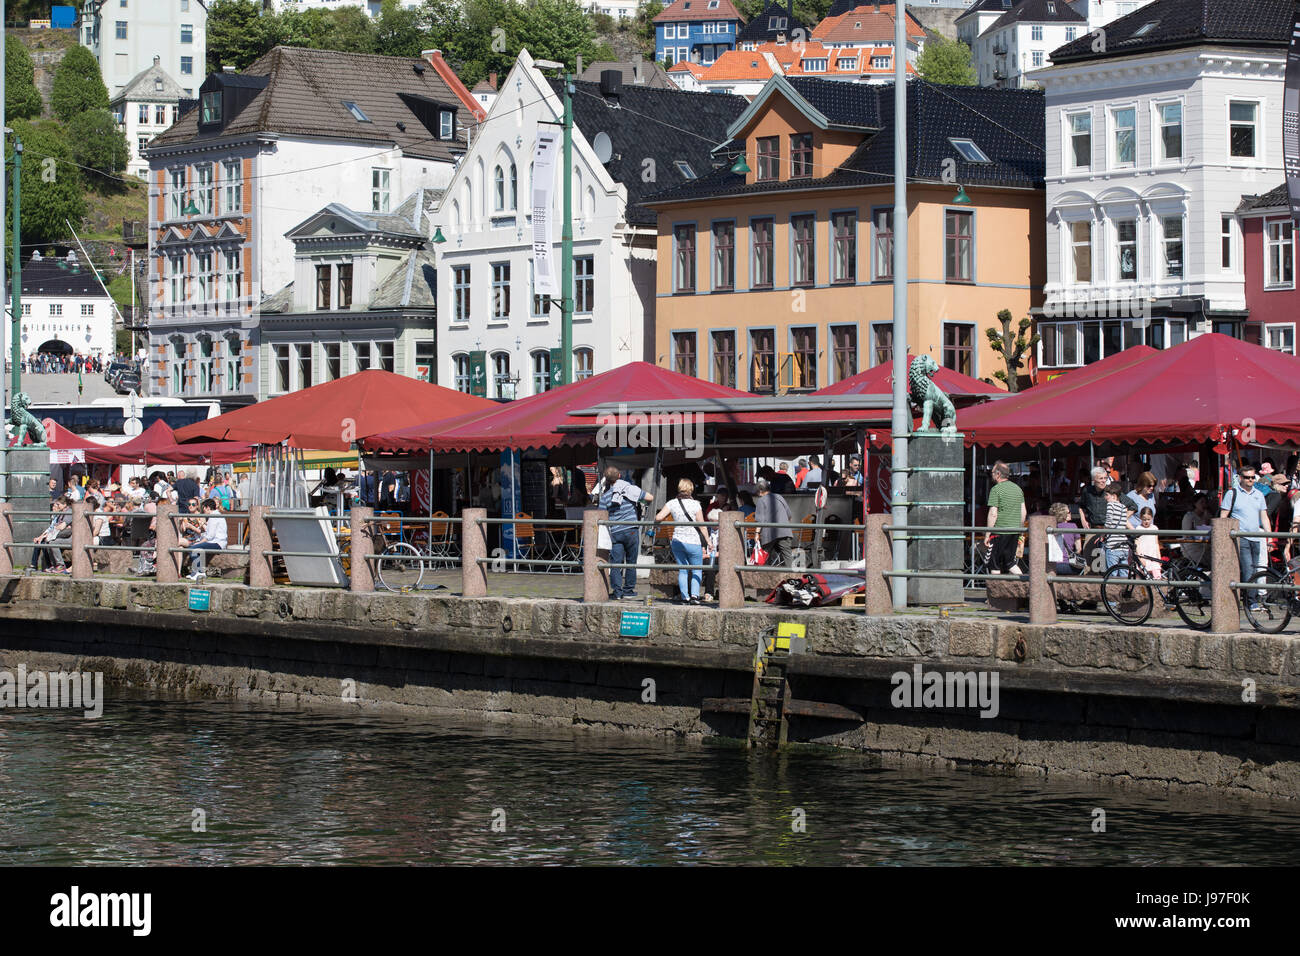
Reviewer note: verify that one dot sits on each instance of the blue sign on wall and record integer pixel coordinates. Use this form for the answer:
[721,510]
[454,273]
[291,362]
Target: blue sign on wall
[200,599]
[634,624]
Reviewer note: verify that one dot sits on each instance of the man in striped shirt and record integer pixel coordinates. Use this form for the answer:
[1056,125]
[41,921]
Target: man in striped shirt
[1115,546]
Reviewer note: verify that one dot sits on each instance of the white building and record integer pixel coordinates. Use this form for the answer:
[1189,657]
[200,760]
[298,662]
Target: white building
[1150,149]
[1019,41]
[489,319]
[618,9]
[372,7]
[65,309]
[127,35]
[145,107]
[262,152]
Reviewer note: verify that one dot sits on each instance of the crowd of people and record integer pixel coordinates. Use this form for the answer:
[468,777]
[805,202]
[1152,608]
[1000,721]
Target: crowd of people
[128,515]
[45,363]
[1261,498]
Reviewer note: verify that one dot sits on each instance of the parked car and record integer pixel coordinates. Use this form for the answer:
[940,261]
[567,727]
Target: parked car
[114,367]
[127,382]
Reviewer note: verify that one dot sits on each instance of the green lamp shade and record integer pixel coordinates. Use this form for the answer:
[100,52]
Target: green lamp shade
[962,199]
[740,167]
[191,209]
[438,236]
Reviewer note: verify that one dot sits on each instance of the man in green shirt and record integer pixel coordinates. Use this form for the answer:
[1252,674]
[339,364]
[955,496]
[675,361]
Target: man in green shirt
[1006,510]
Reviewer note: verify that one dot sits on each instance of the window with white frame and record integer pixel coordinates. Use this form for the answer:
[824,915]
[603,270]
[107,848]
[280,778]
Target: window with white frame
[500,290]
[584,365]
[178,367]
[56,308]
[1081,140]
[460,372]
[232,276]
[1280,239]
[176,265]
[282,366]
[1172,229]
[207,276]
[379,191]
[1036,58]
[1225,242]
[446,125]
[207,365]
[1036,33]
[1081,251]
[1125,124]
[176,194]
[142,114]
[1060,345]
[1280,338]
[160,115]
[1243,118]
[203,189]
[360,356]
[232,186]
[541,371]
[333,368]
[584,284]
[1126,248]
[87,308]
[234,348]
[1171,131]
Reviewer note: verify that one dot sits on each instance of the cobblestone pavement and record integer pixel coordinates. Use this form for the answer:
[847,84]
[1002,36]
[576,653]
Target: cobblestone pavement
[59,388]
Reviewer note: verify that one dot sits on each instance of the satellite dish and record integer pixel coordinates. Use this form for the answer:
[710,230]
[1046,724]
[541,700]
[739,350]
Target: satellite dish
[603,147]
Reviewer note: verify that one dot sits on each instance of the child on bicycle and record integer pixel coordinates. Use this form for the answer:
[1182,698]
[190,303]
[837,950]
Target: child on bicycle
[1147,546]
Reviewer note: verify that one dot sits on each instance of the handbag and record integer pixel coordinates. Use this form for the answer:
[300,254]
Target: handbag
[758,555]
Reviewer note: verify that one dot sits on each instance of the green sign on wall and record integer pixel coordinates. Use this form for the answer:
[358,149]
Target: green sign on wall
[478,374]
[557,367]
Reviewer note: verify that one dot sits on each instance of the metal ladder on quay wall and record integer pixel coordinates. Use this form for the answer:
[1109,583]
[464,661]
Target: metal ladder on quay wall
[770,698]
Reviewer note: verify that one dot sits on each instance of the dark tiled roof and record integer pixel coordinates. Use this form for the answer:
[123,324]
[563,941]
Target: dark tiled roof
[1039,11]
[987,6]
[1181,23]
[1008,125]
[412,284]
[652,74]
[757,30]
[1275,198]
[666,126]
[60,277]
[306,93]
[843,104]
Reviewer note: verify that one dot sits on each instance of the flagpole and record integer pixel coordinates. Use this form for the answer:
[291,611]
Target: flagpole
[901,419]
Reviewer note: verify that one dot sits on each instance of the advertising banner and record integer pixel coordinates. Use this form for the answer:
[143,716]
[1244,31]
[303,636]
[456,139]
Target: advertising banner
[545,156]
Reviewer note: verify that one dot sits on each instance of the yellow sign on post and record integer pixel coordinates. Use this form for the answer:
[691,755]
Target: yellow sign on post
[787,630]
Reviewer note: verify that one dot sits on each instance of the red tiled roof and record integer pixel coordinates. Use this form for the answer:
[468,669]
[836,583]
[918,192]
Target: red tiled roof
[680,10]
[864,24]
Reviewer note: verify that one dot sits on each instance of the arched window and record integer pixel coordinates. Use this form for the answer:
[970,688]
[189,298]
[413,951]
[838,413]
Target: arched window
[541,371]
[501,375]
[499,185]
[583,364]
[514,187]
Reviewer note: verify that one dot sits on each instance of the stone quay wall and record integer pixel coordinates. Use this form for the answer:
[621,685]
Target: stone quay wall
[1158,707]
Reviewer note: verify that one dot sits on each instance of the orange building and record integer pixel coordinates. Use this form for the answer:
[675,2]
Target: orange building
[780,278]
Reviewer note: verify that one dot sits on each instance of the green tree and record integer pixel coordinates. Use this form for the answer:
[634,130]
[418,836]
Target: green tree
[22,98]
[78,85]
[351,30]
[52,192]
[238,33]
[644,30]
[476,36]
[98,143]
[399,31]
[557,30]
[948,62]
[1012,348]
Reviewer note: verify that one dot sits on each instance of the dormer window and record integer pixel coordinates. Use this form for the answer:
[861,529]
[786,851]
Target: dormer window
[446,125]
[1051,9]
[211,107]
[713,4]
[158,84]
[356,111]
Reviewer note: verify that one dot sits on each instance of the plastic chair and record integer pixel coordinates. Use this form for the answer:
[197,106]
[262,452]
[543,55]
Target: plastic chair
[525,537]
[440,537]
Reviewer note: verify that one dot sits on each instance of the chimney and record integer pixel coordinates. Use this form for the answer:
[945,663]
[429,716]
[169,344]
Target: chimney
[430,54]
[155,59]
[611,83]
[492,79]
[227,69]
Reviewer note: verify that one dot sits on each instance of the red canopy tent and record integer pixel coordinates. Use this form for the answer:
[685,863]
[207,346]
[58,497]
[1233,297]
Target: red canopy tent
[535,422]
[879,380]
[1184,394]
[157,444]
[333,415]
[59,438]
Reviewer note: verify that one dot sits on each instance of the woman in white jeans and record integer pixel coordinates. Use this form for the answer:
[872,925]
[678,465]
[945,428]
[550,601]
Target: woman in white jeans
[690,541]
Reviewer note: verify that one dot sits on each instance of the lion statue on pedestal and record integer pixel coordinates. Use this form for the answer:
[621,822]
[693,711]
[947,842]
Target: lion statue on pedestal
[25,422]
[928,397]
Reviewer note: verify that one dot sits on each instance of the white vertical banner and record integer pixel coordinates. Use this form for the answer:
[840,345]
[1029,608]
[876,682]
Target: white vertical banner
[545,154]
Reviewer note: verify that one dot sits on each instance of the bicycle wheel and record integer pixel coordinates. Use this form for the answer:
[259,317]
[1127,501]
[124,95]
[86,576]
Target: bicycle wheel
[1192,600]
[1268,611]
[400,567]
[1128,597]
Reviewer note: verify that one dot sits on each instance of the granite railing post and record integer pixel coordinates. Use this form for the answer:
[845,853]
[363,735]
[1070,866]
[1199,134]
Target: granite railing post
[261,572]
[1224,569]
[877,559]
[361,577]
[595,581]
[80,563]
[167,563]
[731,552]
[1042,599]
[6,537]
[473,545]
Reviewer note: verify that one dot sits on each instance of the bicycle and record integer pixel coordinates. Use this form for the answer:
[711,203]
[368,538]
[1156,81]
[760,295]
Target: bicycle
[1128,591]
[1270,611]
[399,566]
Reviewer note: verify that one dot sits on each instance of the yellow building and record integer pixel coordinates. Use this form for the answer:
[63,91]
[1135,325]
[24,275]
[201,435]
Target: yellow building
[780,278]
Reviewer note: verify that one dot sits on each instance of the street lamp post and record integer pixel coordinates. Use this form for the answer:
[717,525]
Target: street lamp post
[901,419]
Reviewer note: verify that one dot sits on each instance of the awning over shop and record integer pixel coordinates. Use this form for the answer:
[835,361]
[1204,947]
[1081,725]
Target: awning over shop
[1187,393]
[334,414]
